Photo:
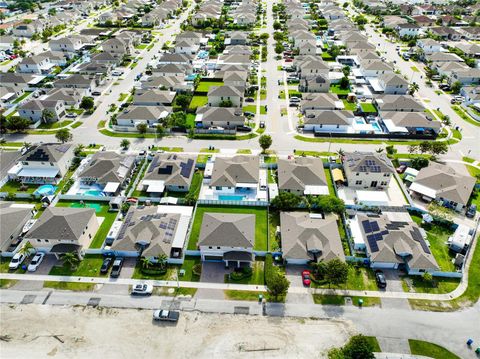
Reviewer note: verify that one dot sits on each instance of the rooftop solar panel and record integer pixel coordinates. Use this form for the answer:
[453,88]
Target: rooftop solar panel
[374,226]
[186,168]
[366,226]
[372,243]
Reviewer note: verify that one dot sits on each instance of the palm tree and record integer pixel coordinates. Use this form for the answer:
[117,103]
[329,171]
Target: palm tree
[48,115]
[379,150]
[413,88]
[125,143]
[162,260]
[70,260]
[340,153]
[146,262]
[26,249]
[78,149]
[26,145]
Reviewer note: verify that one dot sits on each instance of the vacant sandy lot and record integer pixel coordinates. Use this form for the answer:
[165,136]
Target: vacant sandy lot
[28,331]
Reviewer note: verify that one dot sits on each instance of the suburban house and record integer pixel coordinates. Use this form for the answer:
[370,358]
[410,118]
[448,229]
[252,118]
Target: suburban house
[309,237]
[395,244]
[70,44]
[471,94]
[35,65]
[134,115]
[392,84]
[62,230]
[154,231]
[13,217]
[408,29]
[442,184]
[221,95]
[44,163]
[118,46]
[7,161]
[402,103]
[69,97]
[170,172]
[429,46]
[314,83]
[85,83]
[228,237]
[302,176]
[239,172]
[328,121]
[35,111]
[153,97]
[321,101]
[410,123]
[224,117]
[367,170]
[107,170]
[467,76]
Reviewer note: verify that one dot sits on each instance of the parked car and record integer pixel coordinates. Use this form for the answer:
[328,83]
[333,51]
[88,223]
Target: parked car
[71,115]
[380,279]
[166,315]
[401,169]
[17,259]
[306,278]
[107,263]
[249,99]
[459,99]
[117,73]
[96,93]
[295,99]
[294,104]
[249,114]
[35,263]
[453,101]
[142,289]
[116,268]
[471,211]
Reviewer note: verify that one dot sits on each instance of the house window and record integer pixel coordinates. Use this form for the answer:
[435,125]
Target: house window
[210,247]
[39,240]
[386,175]
[218,188]
[358,174]
[218,247]
[46,241]
[358,182]
[90,235]
[383,183]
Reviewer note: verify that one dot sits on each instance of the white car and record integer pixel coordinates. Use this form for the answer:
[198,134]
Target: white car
[142,289]
[295,99]
[17,259]
[35,263]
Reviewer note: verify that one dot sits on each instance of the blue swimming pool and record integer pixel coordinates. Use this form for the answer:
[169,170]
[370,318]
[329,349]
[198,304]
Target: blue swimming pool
[376,126]
[230,198]
[93,193]
[45,190]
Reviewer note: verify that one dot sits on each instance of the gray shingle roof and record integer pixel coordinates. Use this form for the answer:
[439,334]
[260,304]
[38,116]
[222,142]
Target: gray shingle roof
[227,229]
[108,167]
[229,171]
[300,172]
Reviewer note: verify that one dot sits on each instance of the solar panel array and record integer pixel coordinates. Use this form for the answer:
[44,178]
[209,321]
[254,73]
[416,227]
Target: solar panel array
[372,238]
[186,168]
[125,225]
[63,148]
[153,164]
[38,155]
[417,236]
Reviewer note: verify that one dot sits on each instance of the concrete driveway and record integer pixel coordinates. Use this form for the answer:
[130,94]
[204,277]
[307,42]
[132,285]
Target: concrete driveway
[294,275]
[394,284]
[212,272]
[128,267]
[49,261]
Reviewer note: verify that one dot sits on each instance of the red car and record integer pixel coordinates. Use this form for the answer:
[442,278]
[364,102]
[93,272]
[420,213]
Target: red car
[289,60]
[306,278]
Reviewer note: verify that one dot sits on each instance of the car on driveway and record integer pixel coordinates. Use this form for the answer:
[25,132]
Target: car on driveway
[472,210]
[402,168]
[380,279]
[71,115]
[306,278]
[249,99]
[17,259]
[116,268]
[35,263]
[107,263]
[142,289]
[166,315]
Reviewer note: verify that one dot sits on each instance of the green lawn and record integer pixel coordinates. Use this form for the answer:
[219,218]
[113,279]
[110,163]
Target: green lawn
[273,222]
[360,278]
[415,69]
[198,101]
[257,277]
[335,88]
[123,97]
[14,186]
[368,107]
[468,159]
[465,116]
[324,299]
[204,86]
[431,350]
[141,46]
[349,106]
[187,266]
[328,175]
[437,286]
[169,275]
[4,262]
[244,151]
[77,287]
[253,109]
[474,172]
[191,120]
[88,267]
[270,159]
[260,223]
[53,125]
[374,343]
[102,210]
[202,158]
[438,236]
[243,295]
[21,97]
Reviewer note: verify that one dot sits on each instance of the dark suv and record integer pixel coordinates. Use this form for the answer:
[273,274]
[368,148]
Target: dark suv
[380,279]
[116,268]
[107,263]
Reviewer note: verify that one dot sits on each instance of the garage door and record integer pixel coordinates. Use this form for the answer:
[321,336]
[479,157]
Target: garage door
[213,258]
[378,265]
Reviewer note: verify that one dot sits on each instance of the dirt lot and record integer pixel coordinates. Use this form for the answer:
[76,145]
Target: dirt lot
[36,331]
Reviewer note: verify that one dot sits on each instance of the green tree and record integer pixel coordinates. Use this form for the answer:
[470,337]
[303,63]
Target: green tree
[70,260]
[346,71]
[226,103]
[63,135]
[328,204]
[427,277]
[277,25]
[319,269]
[358,347]
[17,124]
[265,142]
[438,148]
[162,261]
[456,86]
[183,101]
[48,115]
[286,201]
[87,103]
[78,149]
[142,128]
[52,11]
[279,48]
[125,144]
[414,87]
[278,285]
[425,146]
[412,148]
[177,119]
[146,262]
[27,249]
[344,83]
[419,162]
[336,272]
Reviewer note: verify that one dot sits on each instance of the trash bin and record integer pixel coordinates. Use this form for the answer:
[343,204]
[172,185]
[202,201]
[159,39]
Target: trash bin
[477,350]
[260,298]
[469,342]
[360,302]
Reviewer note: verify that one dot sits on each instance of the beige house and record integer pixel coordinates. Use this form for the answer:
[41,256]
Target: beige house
[367,170]
[218,95]
[302,176]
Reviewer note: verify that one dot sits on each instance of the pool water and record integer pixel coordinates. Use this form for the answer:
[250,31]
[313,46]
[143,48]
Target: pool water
[46,190]
[93,193]
[96,206]
[230,198]
[376,126]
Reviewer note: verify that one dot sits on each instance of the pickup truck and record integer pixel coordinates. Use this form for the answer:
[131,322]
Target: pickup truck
[166,315]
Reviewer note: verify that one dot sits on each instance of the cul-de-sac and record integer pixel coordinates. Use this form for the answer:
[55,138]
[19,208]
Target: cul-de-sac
[240,179]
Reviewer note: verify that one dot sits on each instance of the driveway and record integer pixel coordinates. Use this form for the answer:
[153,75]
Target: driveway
[128,267]
[394,284]
[49,261]
[294,275]
[212,273]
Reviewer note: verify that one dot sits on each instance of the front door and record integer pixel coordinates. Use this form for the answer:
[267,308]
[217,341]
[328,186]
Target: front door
[373,184]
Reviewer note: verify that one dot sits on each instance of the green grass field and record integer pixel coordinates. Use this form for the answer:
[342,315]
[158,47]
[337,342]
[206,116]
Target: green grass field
[88,267]
[198,101]
[368,107]
[204,86]
[260,223]
[431,350]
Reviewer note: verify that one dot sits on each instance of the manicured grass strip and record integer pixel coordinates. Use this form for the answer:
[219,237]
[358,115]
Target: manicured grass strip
[7,283]
[77,124]
[368,107]
[77,287]
[204,86]
[244,151]
[465,116]
[253,109]
[374,343]
[335,88]
[474,171]
[243,295]
[420,347]
[260,223]
[468,159]
[198,101]
[363,142]
[88,267]
[328,299]
[415,69]
[328,175]
[11,144]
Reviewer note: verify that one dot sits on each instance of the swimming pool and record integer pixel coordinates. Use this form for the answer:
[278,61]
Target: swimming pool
[93,193]
[230,198]
[96,206]
[45,190]
[376,126]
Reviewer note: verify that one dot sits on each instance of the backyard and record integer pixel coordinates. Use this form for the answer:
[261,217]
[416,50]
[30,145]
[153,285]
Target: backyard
[15,186]
[437,237]
[260,223]
[368,107]
[101,210]
[198,101]
[335,88]
[88,267]
[204,86]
